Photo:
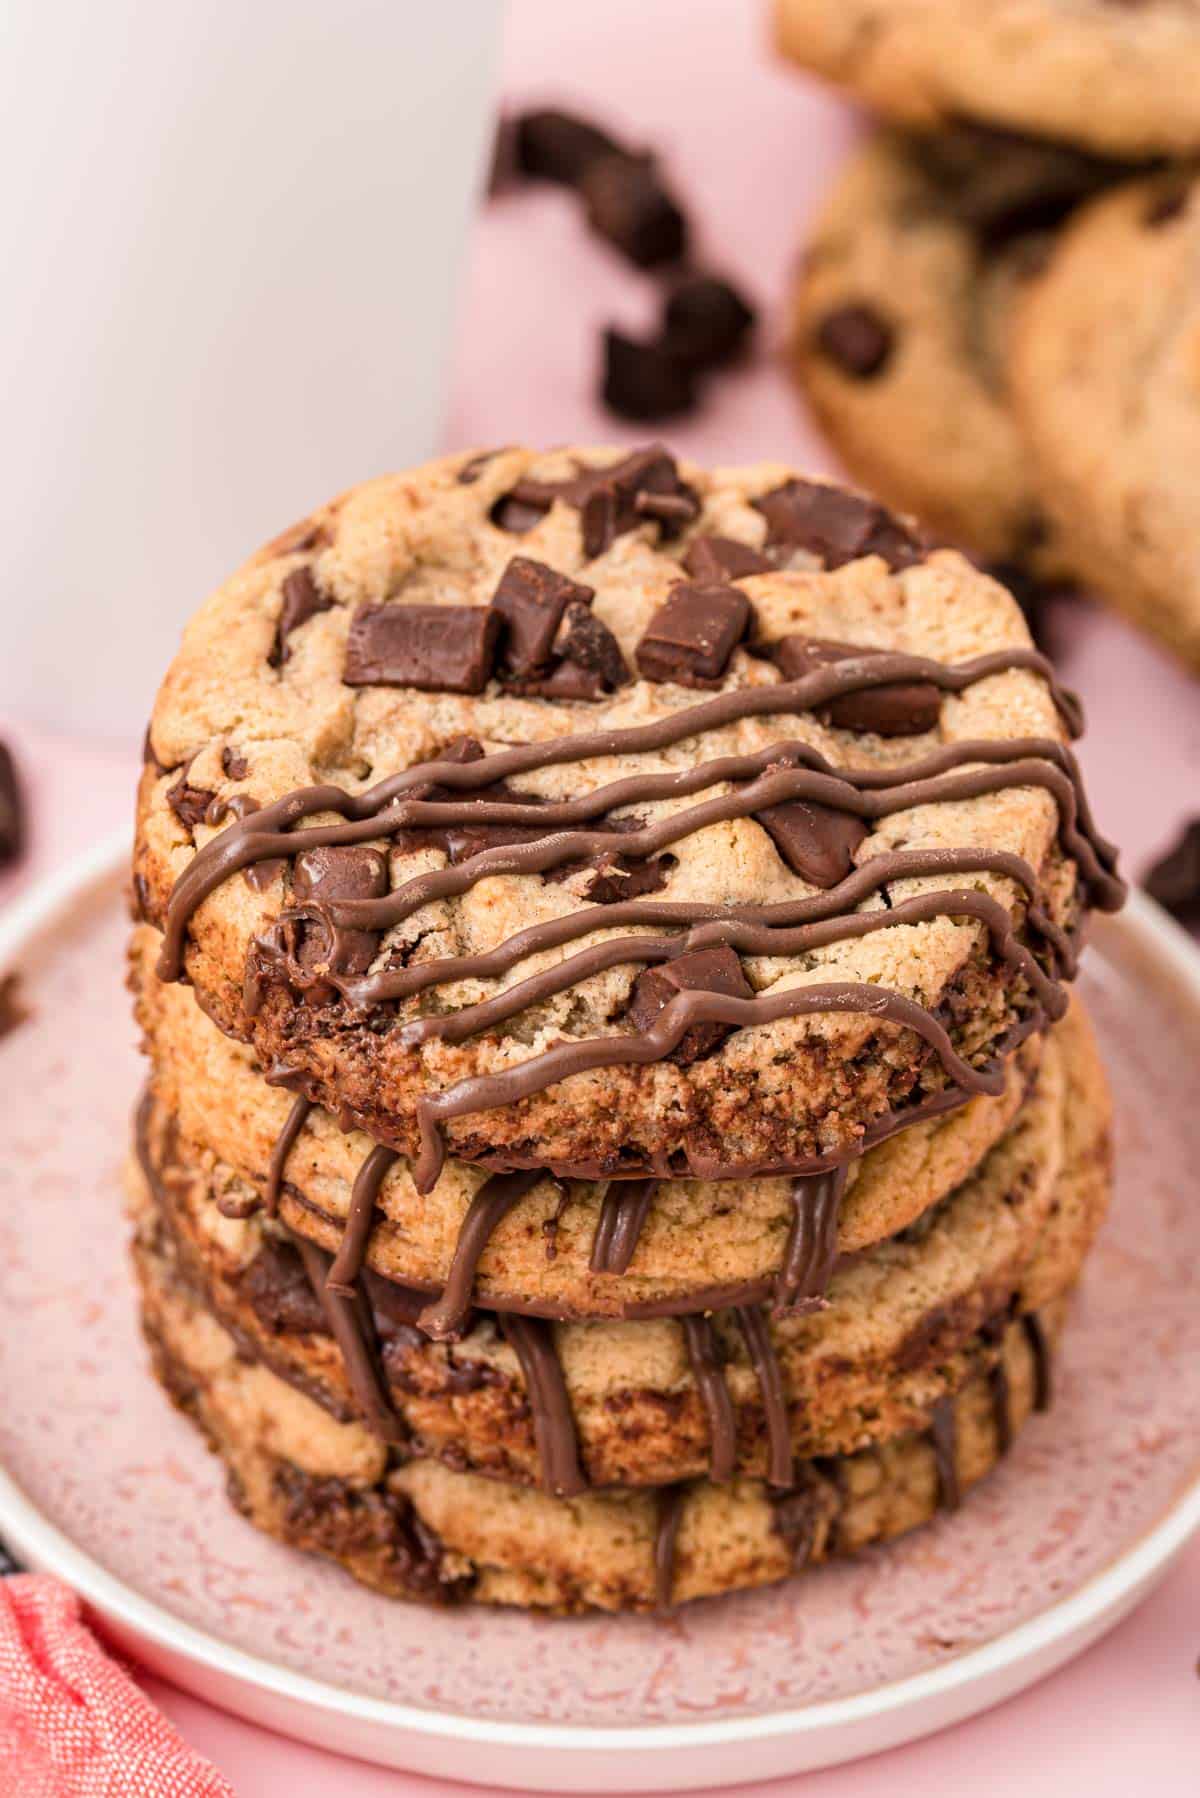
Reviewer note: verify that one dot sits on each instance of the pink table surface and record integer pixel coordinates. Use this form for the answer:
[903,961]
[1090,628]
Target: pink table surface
[754,146]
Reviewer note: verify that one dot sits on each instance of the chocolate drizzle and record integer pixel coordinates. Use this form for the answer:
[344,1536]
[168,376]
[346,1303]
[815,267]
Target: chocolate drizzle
[757,1335]
[352,1328]
[553,1425]
[444,1318]
[704,1355]
[297,1117]
[623,1212]
[943,1432]
[348,1262]
[811,1251]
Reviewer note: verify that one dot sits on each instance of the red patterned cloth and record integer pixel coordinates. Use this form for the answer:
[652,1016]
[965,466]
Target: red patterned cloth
[72,1722]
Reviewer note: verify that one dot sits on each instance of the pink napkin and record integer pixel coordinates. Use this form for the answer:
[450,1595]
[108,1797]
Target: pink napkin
[72,1722]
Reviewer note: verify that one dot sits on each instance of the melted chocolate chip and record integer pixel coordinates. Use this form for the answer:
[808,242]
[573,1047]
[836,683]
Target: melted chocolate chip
[1174,880]
[715,559]
[325,875]
[550,145]
[835,526]
[901,709]
[302,600]
[706,321]
[190,804]
[531,599]
[436,649]
[645,380]
[516,515]
[691,638]
[815,841]
[12,809]
[234,764]
[628,205]
[857,339]
[281,1293]
[700,970]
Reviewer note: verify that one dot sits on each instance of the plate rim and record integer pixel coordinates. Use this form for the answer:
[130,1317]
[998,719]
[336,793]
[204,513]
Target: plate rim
[1079,1615]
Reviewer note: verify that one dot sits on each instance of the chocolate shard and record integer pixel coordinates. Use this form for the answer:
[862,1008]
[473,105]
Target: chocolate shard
[436,649]
[901,709]
[616,877]
[587,641]
[834,526]
[12,809]
[856,339]
[699,970]
[628,205]
[551,145]
[531,599]
[645,380]
[302,600]
[1174,880]
[325,875]
[691,638]
[190,804]
[816,841]
[281,1293]
[716,559]
[706,321]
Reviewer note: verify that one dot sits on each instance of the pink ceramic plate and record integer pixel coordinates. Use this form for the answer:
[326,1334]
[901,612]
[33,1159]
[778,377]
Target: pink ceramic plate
[108,1487]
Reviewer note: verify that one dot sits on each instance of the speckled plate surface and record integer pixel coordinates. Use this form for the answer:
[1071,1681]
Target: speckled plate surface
[107,1486]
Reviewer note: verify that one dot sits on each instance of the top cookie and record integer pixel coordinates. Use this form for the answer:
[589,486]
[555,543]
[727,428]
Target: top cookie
[657,821]
[1118,76]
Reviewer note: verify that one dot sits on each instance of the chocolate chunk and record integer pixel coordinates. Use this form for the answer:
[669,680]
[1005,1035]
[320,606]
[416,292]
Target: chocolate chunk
[857,339]
[437,649]
[716,559]
[834,526]
[901,709]
[1174,880]
[280,1291]
[700,970]
[474,466]
[815,841]
[234,764]
[627,203]
[463,840]
[531,598]
[587,641]
[302,600]
[558,146]
[706,321]
[645,381]
[617,877]
[691,638]
[12,1012]
[510,513]
[190,804]
[566,681]
[323,876]
[12,809]
[611,500]
[461,749]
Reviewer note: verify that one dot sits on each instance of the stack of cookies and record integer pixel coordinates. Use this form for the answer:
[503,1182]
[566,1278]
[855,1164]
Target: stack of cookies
[617,1130]
[997,315]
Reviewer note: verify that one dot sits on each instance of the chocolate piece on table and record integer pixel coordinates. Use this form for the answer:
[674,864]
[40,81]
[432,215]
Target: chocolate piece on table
[1174,880]
[706,321]
[857,339]
[330,873]
[437,649]
[550,145]
[12,809]
[628,205]
[531,598]
[645,380]
[302,600]
[816,841]
[835,526]
[710,559]
[12,1011]
[900,709]
[700,970]
[691,638]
